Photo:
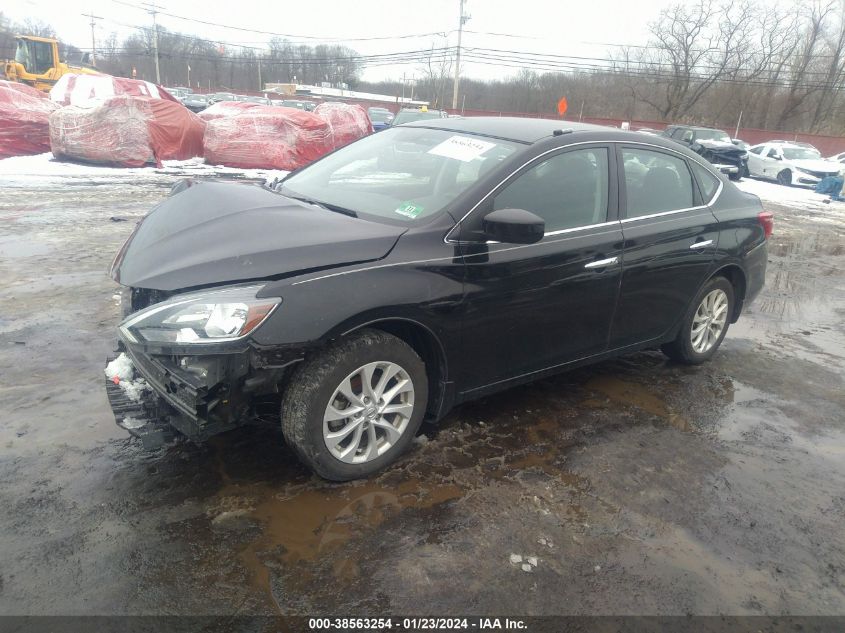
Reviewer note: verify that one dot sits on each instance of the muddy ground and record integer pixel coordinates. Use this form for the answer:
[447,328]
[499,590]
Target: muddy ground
[640,486]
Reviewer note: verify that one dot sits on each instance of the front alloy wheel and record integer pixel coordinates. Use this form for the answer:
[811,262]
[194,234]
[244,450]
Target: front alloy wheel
[355,406]
[368,412]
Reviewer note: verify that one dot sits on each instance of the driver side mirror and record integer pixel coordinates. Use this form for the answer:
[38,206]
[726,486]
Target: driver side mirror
[514,226]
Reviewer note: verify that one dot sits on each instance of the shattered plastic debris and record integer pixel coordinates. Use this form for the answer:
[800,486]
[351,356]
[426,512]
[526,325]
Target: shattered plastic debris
[516,559]
[121,372]
[527,567]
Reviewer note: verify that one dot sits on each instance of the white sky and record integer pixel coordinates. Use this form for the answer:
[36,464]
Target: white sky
[549,26]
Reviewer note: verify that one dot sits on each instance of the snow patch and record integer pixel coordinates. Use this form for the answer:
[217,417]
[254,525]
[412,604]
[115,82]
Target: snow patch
[132,423]
[121,372]
[44,168]
[120,368]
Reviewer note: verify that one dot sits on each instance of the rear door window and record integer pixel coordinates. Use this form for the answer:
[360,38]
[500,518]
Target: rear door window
[656,182]
[707,182]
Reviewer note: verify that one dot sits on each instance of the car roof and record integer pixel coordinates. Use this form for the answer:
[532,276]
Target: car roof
[526,130]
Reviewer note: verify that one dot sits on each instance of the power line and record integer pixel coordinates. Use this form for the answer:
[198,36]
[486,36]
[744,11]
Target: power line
[94,19]
[289,35]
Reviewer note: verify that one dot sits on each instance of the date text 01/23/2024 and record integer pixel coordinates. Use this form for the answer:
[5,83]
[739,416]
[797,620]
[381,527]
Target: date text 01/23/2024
[416,624]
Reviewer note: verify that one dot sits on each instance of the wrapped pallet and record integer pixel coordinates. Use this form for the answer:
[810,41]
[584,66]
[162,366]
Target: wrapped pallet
[79,90]
[24,120]
[126,131]
[348,122]
[223,109]
[268,137]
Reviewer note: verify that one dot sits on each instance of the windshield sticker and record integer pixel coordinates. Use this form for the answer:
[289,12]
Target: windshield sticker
[462,148]
[409,209]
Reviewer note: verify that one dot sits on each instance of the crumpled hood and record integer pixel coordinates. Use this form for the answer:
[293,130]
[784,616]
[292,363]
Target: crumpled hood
[816,165]
[720,146]
[215,233]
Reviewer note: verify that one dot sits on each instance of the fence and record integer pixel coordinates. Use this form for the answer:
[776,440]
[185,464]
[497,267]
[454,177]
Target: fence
[827,145]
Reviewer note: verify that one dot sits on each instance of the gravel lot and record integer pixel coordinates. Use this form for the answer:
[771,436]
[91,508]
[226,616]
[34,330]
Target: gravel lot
[639,486]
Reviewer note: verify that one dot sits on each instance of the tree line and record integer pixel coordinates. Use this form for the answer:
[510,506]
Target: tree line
[709,62]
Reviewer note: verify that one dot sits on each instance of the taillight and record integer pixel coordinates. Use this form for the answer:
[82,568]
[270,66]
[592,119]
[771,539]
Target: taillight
[767,221]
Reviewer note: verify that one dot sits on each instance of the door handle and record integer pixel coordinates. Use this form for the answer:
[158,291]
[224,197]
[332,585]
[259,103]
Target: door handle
[702,244]
[602,263]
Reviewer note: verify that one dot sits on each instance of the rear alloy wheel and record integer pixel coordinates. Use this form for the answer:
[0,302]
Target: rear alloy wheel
[356,406]
[784,177]
[705,325]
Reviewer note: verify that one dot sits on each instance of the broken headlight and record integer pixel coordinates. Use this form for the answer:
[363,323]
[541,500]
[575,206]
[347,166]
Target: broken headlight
[207,317]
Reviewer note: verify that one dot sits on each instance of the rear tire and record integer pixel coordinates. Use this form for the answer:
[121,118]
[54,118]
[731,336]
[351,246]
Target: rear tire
[735,177]
[705,324]
[342,438]
[784,177]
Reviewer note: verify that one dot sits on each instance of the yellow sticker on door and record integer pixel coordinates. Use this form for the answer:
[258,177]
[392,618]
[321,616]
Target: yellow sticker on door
[409,209]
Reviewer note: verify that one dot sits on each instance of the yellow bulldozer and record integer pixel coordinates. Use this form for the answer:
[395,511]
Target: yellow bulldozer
[37,63]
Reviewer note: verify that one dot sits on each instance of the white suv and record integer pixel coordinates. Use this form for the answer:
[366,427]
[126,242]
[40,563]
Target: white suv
[790,163]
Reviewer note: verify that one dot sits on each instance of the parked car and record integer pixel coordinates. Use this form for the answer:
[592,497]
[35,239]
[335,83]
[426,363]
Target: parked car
[195,102]
[790,164]
[221,96]
[381,118]
[178,93]
[741,144]
[839,158]
[713,145]
[648,130]
[250,99]
[299,105]
[407,115]
[359,297]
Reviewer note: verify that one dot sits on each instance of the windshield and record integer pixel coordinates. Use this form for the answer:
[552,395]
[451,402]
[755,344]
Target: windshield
[712,135]
[379,116]
[22,55]
[800,153]
[401,174]
[415,115]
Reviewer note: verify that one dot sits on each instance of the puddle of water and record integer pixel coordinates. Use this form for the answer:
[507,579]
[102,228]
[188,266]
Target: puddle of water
[636,395]
[317,523]
[20,246]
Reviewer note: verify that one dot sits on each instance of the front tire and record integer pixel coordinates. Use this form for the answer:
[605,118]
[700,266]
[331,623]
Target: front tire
[784,177]
[705,324]
[356,406]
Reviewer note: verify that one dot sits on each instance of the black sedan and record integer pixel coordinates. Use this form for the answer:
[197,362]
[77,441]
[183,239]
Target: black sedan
[419,268]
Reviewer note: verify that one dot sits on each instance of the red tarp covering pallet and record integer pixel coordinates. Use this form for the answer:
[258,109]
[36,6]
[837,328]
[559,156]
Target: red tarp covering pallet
[73,89]
[268,137]
[24,122]
[127,131]
[223,109]
[25,89]
[348,122]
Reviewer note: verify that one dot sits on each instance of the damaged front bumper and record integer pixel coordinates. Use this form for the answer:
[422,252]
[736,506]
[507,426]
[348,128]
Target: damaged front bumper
[194,396]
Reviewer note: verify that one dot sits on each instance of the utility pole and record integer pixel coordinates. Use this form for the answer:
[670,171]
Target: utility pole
[93,39]
[152,11]
[461,23]
[260,83]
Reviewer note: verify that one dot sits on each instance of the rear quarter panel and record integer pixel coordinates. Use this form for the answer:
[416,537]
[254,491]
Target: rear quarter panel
[742,241]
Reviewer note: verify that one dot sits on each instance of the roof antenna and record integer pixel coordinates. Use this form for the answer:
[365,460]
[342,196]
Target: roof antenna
[562,132]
